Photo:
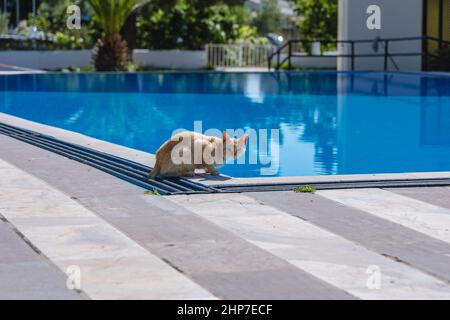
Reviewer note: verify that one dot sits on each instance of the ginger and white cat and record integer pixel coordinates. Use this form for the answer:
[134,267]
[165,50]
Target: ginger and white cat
[188,150]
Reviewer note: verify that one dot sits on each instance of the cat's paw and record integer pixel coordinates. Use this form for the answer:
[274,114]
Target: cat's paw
[189,174]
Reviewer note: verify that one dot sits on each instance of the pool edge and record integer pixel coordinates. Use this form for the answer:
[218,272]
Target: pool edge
[149,158]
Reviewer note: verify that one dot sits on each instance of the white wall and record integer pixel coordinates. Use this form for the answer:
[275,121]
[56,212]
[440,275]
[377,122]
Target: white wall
[309,62]
[82,58]
[172,59]
[46,59]
[399,18]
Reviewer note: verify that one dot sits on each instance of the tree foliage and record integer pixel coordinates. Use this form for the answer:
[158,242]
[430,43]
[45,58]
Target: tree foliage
[111,51]
[161,24]
[51,17]
[190,24]
[112,14]
[318,18]
[269,19]
[4,22]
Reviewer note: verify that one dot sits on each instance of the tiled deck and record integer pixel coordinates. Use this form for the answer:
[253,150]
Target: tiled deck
[56,213]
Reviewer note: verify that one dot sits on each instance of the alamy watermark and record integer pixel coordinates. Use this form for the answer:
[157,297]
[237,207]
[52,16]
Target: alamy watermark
[74,19]
[374,280]
[373,21]
[262,148]
[73,281]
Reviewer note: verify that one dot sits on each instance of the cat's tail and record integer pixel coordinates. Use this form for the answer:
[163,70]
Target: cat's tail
[155,171]
[165,149]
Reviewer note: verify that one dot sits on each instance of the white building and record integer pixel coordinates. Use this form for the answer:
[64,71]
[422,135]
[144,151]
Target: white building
[398,19]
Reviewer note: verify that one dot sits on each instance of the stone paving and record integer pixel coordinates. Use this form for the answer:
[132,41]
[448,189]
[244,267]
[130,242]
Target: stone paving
[56,214]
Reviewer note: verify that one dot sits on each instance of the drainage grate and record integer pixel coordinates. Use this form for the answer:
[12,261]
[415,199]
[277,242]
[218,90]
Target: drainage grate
[127,170]
[356,184]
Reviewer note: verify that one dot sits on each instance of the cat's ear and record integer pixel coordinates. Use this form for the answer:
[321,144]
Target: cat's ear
[245,138]
[224,136]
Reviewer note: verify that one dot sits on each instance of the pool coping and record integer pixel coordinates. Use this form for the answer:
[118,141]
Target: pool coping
[50,72]
[145,158]
[148,159]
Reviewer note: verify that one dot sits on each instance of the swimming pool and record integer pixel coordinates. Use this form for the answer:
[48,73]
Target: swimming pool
[329,122]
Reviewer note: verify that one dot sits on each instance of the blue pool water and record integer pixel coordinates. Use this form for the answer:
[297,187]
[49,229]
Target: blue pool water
[329,123]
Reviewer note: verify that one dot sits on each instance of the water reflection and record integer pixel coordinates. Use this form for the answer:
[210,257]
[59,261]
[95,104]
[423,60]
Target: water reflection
[322,83]
[329,123]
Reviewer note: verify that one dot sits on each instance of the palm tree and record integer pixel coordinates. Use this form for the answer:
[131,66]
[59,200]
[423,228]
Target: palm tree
[111,51]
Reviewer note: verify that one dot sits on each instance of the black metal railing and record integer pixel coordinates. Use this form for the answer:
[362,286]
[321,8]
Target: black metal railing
[387,55]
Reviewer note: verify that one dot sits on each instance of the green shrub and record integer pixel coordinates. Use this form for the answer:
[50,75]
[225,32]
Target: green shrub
[319,21]
[191,24]
[51,18]
[269,19]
